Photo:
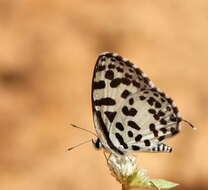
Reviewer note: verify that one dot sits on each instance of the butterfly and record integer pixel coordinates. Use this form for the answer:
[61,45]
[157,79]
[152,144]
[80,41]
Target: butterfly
[130,113]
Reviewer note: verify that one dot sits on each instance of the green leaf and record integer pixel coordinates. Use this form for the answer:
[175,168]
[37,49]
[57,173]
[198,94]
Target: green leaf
[163,184]
[138,179]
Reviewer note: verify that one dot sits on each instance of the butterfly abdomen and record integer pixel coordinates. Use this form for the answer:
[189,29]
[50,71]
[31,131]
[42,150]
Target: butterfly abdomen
[162,148]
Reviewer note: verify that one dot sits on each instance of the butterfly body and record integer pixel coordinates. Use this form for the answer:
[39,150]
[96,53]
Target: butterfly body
[130,114]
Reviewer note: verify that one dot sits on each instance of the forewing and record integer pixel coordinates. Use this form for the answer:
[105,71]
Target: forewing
[114,80]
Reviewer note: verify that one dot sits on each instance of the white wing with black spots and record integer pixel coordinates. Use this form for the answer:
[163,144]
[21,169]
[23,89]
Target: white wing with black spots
[123,97]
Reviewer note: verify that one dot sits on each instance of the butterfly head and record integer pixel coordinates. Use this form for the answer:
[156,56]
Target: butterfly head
[97,144]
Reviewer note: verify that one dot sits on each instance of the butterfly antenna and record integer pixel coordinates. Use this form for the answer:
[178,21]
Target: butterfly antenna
[191,125]
[83,129]
[71,148]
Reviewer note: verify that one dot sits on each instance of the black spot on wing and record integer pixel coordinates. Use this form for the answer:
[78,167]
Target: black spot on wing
[111,66]
[175,110]
[120,69]
[162,94]
[103,59]
[161,113]
[135,147]
[99,85]
[158,104]
[127,75]
[138,137]
[110,115]
[101,68]
[125,81]
[136,84]
[121,140]
[146,80]
[163,122]
[130,134]
[146,92]
[113,59]
[129,112]
[109,55]
[131,101]
[162,99]
[156,117]
[105,102]
[147,142]
[121,63]
[151,101]
[173,118]
[152,127]
[119,58]
[169,100]
[109,74]
[133,125]
[155,132]
[152,111]
[138,71]
[164,130]
[119,126]
[153,89]
[125,94]
[115,83]
[131,70]
[142,98]
[161,138]
[128,63]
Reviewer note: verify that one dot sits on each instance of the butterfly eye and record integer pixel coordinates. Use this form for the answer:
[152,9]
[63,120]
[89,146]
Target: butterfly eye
[97,144]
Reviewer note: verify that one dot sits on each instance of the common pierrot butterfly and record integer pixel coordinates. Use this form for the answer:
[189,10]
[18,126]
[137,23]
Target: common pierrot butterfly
[130,113]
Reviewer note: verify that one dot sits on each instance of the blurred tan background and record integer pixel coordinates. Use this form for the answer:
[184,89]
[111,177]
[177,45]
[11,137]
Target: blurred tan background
[48,51]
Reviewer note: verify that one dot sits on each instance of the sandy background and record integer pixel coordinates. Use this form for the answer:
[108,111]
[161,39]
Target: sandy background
[47,53]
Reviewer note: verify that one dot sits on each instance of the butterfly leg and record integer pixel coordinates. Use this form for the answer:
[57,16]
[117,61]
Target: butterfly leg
[162,148]
[106,156]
